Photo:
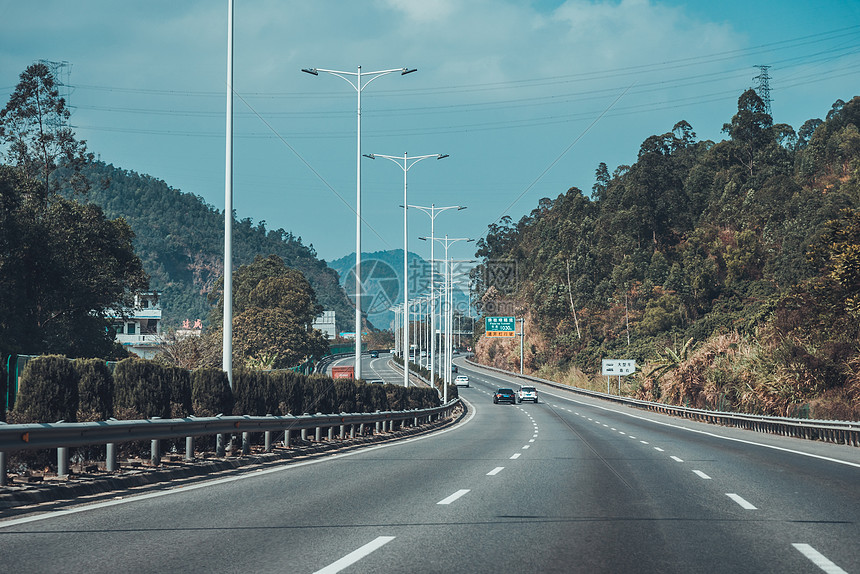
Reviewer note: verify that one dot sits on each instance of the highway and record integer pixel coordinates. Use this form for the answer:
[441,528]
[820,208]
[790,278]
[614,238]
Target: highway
[570,484]
[372,369]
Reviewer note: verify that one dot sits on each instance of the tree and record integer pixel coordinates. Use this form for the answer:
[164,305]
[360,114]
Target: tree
[273,308]
[63,264]
[34,124]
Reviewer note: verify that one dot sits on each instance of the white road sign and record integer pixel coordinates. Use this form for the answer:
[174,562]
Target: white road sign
[618,367]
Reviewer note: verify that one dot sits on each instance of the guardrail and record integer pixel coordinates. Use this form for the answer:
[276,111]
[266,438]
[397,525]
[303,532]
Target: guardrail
[838,432]
[62,436]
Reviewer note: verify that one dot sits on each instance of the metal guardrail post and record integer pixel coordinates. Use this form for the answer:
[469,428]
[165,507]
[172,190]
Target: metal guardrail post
[62,461]
[3,477]
[318,434]
[342,434]
[246,443]
[330,433]
[361,429]
[304,434]
[377,427]
[189,448]
[287,438]
[351,431]
[220,447]
[267,439]
[155,452]
[110,457]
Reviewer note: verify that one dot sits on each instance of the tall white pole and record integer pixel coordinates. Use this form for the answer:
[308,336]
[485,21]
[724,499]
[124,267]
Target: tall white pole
[405,271]
[432,300]
[227,349]
[358,292]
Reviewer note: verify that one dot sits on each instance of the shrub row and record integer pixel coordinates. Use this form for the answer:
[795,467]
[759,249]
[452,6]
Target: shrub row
[53,388]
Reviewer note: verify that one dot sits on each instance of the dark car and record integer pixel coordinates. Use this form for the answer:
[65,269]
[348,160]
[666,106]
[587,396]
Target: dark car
[505,396]
[374,354]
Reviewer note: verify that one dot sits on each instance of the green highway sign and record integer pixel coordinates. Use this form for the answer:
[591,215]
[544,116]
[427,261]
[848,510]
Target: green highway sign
[500,326]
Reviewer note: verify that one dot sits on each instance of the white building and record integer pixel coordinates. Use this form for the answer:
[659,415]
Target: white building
[326,324]
[139,330]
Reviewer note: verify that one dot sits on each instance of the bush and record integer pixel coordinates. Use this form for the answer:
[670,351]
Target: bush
[179,392]
[210,393]
[251,390]
[397,397]
[346,391]
[142,390]
[95,390]
[48,391]
[318,394]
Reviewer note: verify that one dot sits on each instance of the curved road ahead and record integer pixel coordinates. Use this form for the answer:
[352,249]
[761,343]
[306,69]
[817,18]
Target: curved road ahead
[567,485]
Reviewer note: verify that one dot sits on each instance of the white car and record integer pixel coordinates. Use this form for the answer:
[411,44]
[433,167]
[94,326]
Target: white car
[461,381]
[527,394]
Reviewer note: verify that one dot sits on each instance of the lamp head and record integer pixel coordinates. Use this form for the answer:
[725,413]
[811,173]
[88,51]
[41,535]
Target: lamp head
[311,71]
[442,156]
[408,71]
[369,155]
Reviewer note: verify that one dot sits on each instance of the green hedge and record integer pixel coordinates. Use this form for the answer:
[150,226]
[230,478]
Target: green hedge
[54,388]
[48,391]
[142,390]
[210,393]
[95,390]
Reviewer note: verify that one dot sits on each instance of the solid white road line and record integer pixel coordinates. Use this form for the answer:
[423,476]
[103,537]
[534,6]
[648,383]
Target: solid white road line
[515,456]
[453,497]
[701,474]
[676,459]
[495,471]
[355,555]
[819,559]
[743,503]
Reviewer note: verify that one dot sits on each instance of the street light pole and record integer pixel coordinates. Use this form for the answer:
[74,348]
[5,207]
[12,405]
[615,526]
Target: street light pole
[406,167]
[227,326]
[446,242]
[433,211]
[358,87]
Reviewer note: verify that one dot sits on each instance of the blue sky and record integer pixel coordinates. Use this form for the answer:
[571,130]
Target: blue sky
[526,97]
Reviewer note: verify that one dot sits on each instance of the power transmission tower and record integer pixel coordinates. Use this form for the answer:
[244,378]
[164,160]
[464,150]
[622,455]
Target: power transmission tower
[763,88]
[61,71]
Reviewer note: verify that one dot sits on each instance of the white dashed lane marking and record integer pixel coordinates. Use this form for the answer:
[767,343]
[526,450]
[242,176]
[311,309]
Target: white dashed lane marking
[818,559]
[743,503]
[453,497]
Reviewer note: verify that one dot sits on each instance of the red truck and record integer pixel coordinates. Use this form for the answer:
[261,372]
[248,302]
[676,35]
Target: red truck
[343,372]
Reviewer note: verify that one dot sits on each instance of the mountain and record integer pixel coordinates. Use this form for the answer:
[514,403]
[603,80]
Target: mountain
[180,239]
[382,281]
[730,270]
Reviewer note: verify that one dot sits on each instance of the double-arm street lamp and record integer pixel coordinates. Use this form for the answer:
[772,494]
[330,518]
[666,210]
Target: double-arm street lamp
[358,87]
[433,211]
[405,163]
[446,242]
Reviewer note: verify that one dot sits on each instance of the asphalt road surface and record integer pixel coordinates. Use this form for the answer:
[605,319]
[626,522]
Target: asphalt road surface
[571,484]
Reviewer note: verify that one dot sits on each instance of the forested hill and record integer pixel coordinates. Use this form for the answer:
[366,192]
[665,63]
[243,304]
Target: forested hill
[730,268]
[180,239]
